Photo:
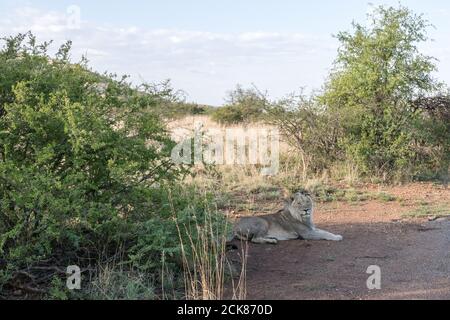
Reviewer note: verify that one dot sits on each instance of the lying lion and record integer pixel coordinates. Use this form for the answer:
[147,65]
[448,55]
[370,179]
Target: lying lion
[295,221]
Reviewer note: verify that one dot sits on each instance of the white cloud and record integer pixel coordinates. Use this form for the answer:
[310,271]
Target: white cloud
[33,19]
[444,12]
[204,64]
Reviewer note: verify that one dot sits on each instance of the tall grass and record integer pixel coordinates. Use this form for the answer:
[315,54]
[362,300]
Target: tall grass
[204,258]
[239,285]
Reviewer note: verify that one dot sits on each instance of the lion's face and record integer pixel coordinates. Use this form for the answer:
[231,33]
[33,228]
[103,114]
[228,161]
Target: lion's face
[300,205]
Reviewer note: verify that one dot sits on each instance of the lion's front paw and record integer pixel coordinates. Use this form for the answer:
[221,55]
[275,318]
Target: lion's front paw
[271,240]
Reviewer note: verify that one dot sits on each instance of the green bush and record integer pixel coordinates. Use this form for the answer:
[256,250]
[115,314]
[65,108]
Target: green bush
[432,138]
[172,103]
[310,128]
[242,106]
[85,170]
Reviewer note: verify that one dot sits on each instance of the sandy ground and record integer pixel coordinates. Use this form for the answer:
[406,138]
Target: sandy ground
[413,254]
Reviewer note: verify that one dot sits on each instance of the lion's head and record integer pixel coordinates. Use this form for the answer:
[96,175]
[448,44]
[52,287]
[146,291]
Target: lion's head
[300,205]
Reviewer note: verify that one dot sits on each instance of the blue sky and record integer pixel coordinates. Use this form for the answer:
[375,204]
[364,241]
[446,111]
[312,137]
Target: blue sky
[207,47]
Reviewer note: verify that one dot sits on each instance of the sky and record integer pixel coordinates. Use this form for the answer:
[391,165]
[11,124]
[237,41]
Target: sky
[206,47]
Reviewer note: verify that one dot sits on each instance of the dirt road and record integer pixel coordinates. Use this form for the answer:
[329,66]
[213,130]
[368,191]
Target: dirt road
[413,254]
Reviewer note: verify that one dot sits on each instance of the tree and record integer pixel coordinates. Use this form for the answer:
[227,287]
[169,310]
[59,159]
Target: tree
[377,75]
[311,129]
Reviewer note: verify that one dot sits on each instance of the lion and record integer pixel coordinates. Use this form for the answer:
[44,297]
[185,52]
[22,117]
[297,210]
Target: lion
[294,221]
